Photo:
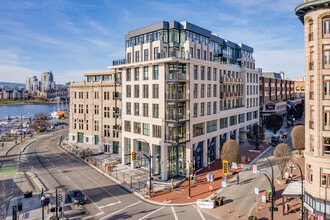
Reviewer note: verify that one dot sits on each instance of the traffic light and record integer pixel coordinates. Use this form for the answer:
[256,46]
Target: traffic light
[61,198]
[225,167]
[133,155]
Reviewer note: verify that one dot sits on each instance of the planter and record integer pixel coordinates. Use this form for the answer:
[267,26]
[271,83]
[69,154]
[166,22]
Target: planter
[281,181]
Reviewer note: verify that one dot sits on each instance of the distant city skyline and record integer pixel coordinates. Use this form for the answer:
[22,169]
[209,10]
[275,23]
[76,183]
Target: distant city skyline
[72,38]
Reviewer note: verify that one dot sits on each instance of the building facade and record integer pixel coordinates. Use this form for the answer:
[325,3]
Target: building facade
[315,15]
[32,83]
[95,113]
[275,91]
[299,87]
[185,92]
[47,81]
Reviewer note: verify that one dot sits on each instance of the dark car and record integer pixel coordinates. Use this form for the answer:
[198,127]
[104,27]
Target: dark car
[77,197]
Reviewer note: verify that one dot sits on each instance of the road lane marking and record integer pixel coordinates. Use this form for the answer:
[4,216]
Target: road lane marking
[84,174]
[120,210]
[200,213]
[67,178]
[173,210]
[91,201]
[152,213]
[111,204]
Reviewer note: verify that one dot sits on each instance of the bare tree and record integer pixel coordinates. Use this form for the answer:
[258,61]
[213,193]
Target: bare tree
[3,210]
[255,136]
[230,152]
[40,120]
[282,154]
[274,122]
[298,138]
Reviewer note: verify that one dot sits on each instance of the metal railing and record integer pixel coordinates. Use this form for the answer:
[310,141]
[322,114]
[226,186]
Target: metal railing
[118,62]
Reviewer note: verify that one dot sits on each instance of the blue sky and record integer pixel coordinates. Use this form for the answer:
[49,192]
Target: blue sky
[71,37]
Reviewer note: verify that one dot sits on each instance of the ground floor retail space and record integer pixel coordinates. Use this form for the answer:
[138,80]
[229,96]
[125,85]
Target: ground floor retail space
[170,160]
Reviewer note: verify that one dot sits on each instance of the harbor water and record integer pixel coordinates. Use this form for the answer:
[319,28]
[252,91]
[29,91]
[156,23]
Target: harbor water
[25,110]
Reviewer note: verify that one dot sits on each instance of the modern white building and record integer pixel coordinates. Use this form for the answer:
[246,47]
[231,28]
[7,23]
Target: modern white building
[185,92]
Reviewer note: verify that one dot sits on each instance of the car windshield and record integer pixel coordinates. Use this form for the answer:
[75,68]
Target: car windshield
[77,194]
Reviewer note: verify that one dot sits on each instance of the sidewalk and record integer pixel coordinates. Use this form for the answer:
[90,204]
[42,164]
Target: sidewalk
[261,210]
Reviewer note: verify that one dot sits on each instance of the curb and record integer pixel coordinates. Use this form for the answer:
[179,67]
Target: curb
[129,189]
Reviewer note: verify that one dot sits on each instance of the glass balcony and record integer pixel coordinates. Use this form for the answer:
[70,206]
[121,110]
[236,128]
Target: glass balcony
[176,92]
[176,133]
[176,112]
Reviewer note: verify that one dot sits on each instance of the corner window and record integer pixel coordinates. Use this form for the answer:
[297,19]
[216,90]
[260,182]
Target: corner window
[326,27]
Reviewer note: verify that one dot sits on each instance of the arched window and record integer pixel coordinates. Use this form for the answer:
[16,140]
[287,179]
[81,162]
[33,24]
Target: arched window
[310,30]
[326,26]
[298,89]
[302,88]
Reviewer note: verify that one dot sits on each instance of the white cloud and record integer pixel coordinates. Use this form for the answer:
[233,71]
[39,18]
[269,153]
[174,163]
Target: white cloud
[98,42]
[97,26]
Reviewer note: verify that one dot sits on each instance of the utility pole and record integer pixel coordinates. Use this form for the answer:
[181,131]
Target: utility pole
[21,130]
[56,205]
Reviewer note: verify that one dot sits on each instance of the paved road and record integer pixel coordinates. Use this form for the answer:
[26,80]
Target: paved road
[241,198]
[106,199]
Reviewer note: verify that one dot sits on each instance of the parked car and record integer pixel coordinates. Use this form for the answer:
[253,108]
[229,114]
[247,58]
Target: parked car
[276,139]
[77,197]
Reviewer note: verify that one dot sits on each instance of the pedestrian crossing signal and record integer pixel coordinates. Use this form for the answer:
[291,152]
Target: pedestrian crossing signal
[133,155]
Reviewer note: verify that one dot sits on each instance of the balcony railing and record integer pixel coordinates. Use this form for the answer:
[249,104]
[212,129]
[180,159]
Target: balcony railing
[118,62]
[311,65]
[311,124]
[176,117]
[176,75]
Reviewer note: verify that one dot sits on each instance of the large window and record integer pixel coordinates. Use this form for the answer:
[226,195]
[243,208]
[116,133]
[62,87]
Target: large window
[128,108]
[326,56]
[146,73]
[155,110]
[326,27]
[156,53]
[326,118]
[155,91]
[202,73]
[136,91]
[233,120]
[195,110]
[195,73]
[146,54]
[146,129]
[211,126]
[241,118]
[249,116]
[202,91]
[195,94]
[309,173]
[145,91]
[202,109]
[198,129]
[156,72]
[223,123]
[137,73]
[326,145]
[145,109]
[137,127]
[137,56]
[128,91]
[137,109]
[128,126]
[208,108]
[157,131]
[128,74]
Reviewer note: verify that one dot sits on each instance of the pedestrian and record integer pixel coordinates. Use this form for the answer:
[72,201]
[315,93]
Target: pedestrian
[2,144]
[237,179]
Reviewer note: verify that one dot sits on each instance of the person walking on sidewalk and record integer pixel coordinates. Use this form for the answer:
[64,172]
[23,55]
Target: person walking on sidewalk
[237,179]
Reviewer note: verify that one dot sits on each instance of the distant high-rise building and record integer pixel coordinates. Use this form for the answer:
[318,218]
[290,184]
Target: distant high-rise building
[31,83]
[47,81]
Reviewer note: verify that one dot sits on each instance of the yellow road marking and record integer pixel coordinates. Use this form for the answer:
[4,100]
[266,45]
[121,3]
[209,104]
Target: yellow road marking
[81,171]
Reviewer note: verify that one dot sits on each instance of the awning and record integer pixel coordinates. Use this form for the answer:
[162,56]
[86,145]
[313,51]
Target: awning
[293,190]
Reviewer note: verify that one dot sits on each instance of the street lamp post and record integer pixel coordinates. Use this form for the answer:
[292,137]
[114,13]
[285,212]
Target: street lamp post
[42,206]
[189,182]
[149,157]
[273,189]
[302,188]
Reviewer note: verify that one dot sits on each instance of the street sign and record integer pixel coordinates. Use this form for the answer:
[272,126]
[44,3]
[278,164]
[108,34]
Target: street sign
[133,155]
[245,167]
[139,153]
[234,165]
[254,169]
[263,172]
[256,190]
[225,167]
[224,183]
